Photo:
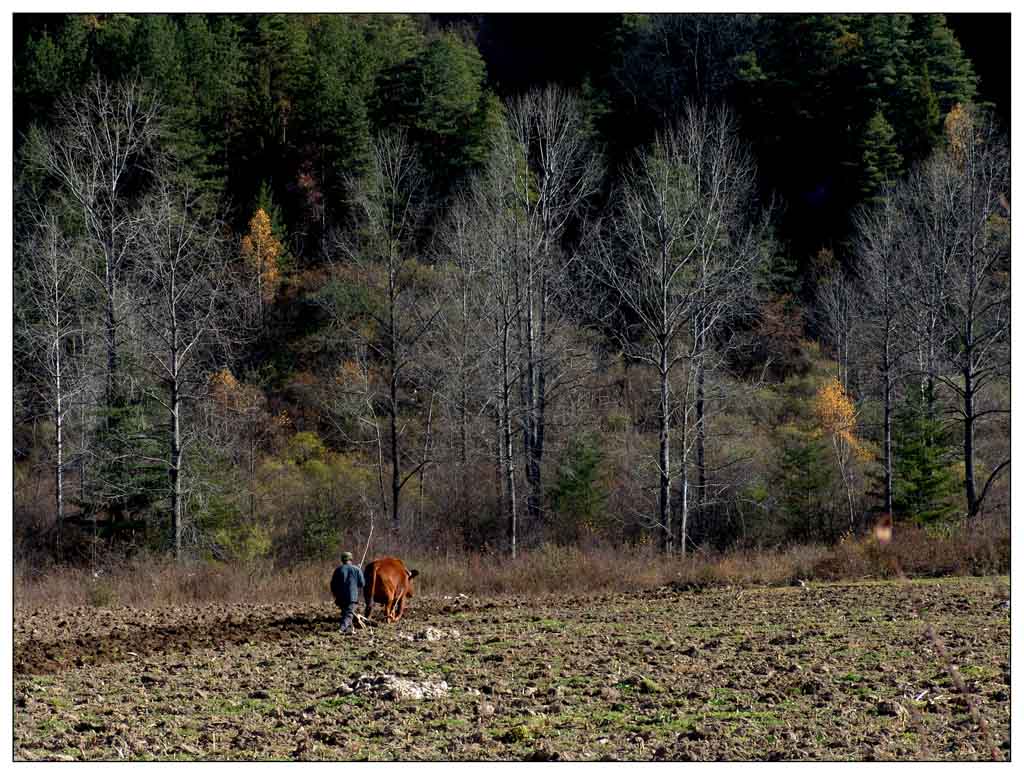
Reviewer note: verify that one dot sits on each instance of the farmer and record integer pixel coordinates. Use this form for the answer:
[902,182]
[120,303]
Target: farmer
[345,585]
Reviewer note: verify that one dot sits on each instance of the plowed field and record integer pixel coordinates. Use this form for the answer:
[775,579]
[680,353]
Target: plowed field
[826,672]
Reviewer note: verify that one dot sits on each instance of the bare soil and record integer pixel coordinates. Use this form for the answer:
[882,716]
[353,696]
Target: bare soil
[822,672]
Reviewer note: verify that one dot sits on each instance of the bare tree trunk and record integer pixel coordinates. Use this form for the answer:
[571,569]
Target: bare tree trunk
[396,477]
[664,474]
[530,397]
[175,471]
[509,451]
[887,461]
[252,473]
[58,420]
[684,473]
[111,334]
[700,429]
[968,400]
[423,467]
[499,456]
[175,412]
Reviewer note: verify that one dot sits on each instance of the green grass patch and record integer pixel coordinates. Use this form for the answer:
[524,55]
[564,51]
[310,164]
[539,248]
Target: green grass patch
[233,708]
[551,625]
[722,696]
[348,701]
[52,726]
[765,717]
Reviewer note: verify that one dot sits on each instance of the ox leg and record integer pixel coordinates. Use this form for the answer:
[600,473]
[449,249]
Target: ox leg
[396,608]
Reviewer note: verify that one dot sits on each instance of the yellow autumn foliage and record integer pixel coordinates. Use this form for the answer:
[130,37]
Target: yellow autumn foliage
[837,417]
[228,393]
[958,127]
[262,249]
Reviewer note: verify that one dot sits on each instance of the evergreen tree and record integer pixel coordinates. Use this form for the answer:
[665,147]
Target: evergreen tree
[337,116]
[215,64]
[441,99]
[48,67]
[804,476]
[391,41]
[122,495]
[924,481]
[279,66]
[952,75]
[114,51]
[923,122]
[161,62]
[880,160]
[576,494]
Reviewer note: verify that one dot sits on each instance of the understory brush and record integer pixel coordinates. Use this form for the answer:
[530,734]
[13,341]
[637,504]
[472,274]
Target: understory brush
[146,580]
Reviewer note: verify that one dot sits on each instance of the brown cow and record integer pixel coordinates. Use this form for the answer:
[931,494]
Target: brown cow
[389,583]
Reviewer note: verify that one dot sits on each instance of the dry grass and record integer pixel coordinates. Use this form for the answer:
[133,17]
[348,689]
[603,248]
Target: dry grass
[147,581]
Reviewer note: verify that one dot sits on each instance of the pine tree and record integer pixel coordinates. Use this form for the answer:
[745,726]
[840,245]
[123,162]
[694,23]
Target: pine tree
[439,95]
[48,67]
[113,38]
[924,482]
[576,494]
[215,67]
[880,160]
[336,115]
[161,62]
[923,121]
[122,494]
[952,75]
[803,477]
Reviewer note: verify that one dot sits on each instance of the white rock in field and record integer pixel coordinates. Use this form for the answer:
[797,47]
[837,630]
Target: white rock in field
[393,687]
[435,634]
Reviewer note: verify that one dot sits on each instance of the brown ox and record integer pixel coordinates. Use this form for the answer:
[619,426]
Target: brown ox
[389,583]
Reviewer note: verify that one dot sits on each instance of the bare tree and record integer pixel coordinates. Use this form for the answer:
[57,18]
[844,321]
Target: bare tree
[969,181]
[553,171]
[389,203]
[500,305]
[674,255]
[50,332]
[936,266]
[97,153]
[729,246]
[680,56]
[461,344]
[881,245]
[180,278]
[839,316]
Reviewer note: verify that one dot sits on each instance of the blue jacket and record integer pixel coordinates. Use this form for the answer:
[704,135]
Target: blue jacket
[346,583]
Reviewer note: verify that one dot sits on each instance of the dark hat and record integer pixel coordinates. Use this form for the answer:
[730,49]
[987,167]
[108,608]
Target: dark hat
[346,556]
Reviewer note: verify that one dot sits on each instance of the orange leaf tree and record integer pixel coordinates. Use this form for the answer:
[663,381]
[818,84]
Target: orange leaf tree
[261,250]
[837,419]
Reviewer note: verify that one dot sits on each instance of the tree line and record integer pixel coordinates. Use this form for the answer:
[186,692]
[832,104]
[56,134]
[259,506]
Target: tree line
[493,322]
